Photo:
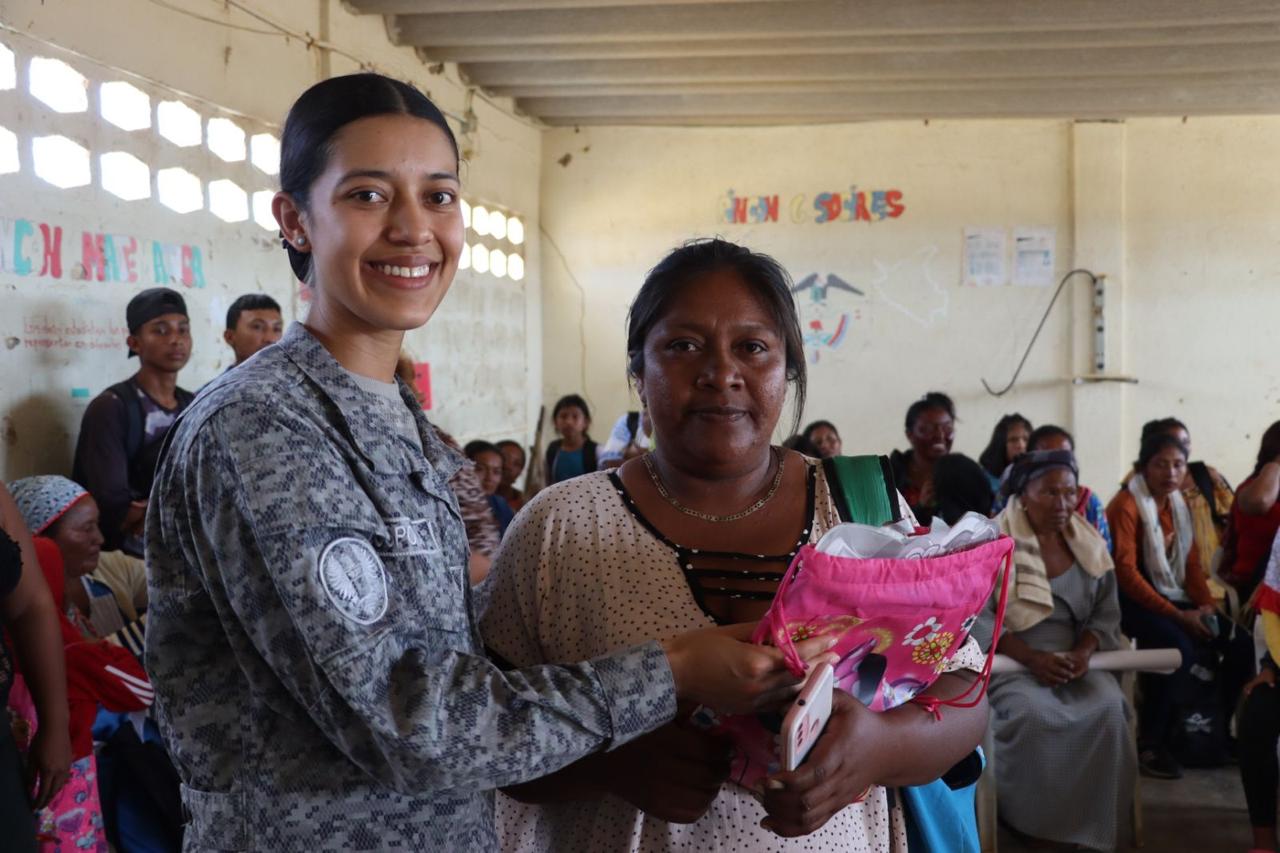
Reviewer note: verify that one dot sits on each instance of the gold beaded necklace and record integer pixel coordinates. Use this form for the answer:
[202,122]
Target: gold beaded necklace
[705,516]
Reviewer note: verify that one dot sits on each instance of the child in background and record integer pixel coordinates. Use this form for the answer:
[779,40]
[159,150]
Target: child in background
[488,462]
[573,453]
[513,460]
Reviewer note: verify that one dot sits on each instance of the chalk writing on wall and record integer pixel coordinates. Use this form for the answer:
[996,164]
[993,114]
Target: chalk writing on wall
[42,332]
[826,310]
[31,249]
[856,205]
[909,287]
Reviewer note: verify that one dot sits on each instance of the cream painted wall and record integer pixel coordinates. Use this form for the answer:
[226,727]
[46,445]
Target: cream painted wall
[485,342]
[1183,218]
[628,196]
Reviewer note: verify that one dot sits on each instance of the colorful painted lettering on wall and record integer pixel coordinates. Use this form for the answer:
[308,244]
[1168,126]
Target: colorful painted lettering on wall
[856,205]
[827,312]
[31,249]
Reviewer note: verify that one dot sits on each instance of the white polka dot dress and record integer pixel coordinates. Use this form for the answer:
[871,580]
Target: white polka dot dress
[578,576]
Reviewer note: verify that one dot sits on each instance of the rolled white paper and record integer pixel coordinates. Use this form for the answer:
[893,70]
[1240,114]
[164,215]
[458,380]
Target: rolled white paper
[1124,660]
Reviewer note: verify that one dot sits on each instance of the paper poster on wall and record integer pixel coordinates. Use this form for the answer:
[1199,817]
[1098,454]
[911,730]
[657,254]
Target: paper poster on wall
[422,377]
[1033,256]
[984,257]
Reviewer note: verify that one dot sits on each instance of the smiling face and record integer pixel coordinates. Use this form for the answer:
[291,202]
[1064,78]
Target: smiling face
[78,538]
[932,433]
[382,223]
[714,376]
[163,343]
[255,329]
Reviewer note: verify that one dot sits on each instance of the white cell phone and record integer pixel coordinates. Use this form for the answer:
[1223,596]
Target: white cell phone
[807,717]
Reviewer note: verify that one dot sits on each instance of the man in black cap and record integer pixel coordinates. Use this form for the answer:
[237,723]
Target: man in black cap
[122,430]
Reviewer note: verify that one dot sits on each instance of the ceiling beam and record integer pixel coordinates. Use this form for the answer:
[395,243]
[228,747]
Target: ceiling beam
[1216,34]
[973,65]
[1047,85]
[819,18]
[750,108]
[410,7]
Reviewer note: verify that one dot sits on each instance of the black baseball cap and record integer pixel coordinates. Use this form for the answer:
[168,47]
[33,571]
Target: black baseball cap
[152,303]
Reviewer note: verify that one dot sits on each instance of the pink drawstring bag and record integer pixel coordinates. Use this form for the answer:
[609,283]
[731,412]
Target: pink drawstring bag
[898,623]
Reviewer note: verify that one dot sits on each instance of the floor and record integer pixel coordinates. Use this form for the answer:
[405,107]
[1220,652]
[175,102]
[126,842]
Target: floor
[1203,812]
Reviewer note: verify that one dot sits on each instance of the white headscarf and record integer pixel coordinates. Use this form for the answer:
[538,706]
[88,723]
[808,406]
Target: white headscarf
[1168,572]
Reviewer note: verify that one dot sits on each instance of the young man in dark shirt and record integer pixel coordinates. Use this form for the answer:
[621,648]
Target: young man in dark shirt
[254,321]
[122,430]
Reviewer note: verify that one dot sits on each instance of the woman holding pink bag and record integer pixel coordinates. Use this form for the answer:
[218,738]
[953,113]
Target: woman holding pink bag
[695,533]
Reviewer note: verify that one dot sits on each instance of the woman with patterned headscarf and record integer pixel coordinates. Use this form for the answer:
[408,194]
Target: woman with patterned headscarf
[1065,723]
[63,518]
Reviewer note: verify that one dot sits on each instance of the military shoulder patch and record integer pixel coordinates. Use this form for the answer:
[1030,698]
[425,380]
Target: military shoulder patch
[352,576]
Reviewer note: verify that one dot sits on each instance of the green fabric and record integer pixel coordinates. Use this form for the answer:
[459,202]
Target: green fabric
[860,489]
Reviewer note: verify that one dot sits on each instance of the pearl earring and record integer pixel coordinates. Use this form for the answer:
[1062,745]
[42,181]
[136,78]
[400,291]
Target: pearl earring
[302,240]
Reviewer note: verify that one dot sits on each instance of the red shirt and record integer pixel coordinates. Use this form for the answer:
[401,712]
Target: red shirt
[1254,535]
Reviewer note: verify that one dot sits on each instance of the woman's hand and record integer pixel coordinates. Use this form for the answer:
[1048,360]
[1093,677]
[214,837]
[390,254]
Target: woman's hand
[835,774]
[1193,624]
[1265,678]
[1078,660]
[673,773]
[1051,669]
[48,764]
[722,669]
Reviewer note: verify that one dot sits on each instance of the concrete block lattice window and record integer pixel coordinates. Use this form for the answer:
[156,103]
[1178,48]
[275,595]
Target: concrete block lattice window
[9,160]
[124,105]
[228,202]
[262,210]
[8,69]
[179,124]
[60,161]
[226,139]
[180,191]
[264,152]
[125,176]
[59,86]
[495,241]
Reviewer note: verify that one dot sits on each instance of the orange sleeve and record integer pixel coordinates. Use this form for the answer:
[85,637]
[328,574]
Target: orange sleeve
[1126,536]
[1195,584]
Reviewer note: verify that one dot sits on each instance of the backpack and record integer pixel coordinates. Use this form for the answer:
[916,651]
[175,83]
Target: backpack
[1204,482]
[142,460]
[940,816]
[1199,736]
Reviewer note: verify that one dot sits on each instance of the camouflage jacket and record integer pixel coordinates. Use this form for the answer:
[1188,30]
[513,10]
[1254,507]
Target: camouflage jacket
[319,677]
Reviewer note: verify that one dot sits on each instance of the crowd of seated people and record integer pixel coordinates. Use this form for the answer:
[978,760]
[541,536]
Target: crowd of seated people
[1087,579]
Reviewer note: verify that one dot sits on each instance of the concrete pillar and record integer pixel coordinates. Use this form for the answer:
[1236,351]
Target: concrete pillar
[1098,222]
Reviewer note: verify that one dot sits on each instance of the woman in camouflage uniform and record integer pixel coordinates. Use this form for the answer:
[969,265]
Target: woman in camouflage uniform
[319,676]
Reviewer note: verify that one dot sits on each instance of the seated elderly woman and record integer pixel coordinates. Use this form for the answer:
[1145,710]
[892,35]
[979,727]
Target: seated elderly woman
[1088,504]
[1060,727]
[698,532]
